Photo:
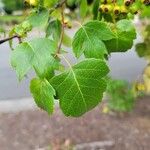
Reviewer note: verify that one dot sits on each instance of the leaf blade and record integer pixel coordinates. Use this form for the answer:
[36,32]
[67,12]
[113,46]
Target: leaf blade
[43,94]
[74,85]
[125,34]
[36,54]
[89,34]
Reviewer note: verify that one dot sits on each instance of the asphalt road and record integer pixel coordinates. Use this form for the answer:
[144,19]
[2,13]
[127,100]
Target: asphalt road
[122,65]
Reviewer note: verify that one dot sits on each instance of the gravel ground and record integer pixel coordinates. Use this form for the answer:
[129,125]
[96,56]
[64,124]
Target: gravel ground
[34,129]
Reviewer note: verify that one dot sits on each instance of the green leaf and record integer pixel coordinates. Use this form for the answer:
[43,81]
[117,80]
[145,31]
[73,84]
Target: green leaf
[90,37]
[43,94]
[54,29]
[145,12]
[83,8]
[99,50]
[20,30]
[81,87]
[50,3]
[121,97]
[143,50]
[95,9]
[126,26]
[70,3]
[125,35]
[66,40]
[36,54]
[38,18]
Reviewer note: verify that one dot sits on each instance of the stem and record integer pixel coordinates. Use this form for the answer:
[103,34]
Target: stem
[62,30]
[60,4]
[10,38]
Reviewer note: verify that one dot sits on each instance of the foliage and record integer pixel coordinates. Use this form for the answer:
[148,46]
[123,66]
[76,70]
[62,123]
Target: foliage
[143,49]
[10,20]
[79,87]
[2,30]
[145,12]
[89,39]
[78,81]
[120,95]
[43,94]
[12,5]
[124,35]
[146,78]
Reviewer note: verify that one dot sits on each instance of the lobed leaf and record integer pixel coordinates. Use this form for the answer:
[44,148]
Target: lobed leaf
[81,87]
[36,54]
[38,18]
[125,34]
[89,39]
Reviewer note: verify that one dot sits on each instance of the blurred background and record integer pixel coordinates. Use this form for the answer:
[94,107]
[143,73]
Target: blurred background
[119,124]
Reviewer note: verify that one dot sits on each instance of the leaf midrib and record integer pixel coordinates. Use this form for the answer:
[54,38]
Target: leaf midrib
[76,81]
[78,87]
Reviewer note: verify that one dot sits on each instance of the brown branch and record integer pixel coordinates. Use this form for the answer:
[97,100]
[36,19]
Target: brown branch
[62,31]
[10,38]
[60,4]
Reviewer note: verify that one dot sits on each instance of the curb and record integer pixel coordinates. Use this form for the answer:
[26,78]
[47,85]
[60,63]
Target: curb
[17,105]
